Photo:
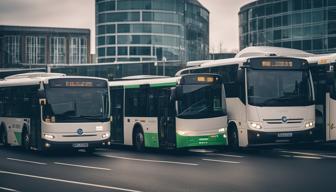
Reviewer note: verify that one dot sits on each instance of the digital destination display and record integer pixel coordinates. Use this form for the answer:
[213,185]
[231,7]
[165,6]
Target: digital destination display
[77,82]
[200,79]
[277,63]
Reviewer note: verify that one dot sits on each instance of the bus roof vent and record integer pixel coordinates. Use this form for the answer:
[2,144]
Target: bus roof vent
[34,75]
[197,63]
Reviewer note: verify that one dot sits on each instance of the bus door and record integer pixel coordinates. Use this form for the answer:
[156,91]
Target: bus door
[166,118]
[331,102]
[117,112]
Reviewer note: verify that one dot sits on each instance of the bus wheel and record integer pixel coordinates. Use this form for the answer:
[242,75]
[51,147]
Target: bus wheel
[25,140]
[139,140]
[3,137]
[233,138]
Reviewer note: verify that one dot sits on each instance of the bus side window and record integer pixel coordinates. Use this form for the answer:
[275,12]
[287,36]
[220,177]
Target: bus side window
[2,102]
[229,75]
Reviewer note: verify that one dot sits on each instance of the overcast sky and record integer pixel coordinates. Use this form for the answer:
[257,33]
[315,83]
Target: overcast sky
[80,14]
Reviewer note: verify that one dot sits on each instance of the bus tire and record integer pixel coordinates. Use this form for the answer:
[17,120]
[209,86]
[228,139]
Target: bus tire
[3,136]
[25,140]
[233,137]
[138,139]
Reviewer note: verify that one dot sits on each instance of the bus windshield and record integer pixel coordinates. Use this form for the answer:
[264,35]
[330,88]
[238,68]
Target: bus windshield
[77,104]
[201,101]
[279,88]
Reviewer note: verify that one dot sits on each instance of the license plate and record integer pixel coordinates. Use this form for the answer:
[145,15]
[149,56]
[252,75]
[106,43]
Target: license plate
[285,135]
[80,145]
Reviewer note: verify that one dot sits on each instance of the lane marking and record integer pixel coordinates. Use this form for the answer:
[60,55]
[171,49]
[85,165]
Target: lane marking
[8,189]
[150,160]
[302,157]
[221,161]
[310,154]
[82,166]
[225,155]
[68,181]
[26,161]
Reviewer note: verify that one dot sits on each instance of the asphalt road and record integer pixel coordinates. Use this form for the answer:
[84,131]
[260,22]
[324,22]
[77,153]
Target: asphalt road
[286,168]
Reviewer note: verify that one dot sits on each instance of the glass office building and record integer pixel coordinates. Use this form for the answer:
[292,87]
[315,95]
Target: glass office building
[308,25]
[165,32]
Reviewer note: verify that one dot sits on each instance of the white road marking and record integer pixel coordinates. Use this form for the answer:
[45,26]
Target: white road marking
[149,160]
[69,181]
[221,161]
[225,155]
[26,161]
[82,166]
[309,154]
[302,157]
[8,189]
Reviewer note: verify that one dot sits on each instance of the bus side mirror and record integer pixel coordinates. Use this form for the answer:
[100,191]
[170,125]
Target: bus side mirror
[176,93]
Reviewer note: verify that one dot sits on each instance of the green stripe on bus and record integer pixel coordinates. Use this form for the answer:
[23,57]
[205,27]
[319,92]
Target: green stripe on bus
[164,84]
[18,136]
[199,141]
[132,86]
[151,140]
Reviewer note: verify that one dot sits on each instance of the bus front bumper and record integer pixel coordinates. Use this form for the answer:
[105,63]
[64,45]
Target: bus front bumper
[74,145]
[259,138]
[200,141]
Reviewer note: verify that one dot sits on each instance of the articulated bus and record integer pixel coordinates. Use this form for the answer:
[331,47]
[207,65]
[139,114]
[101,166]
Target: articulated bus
[168,112]
[270,99]
[43,111]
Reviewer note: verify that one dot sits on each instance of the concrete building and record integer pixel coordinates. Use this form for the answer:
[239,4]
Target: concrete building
[309,25]
[33,46]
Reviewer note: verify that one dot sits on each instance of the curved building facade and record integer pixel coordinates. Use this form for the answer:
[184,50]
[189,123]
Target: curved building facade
[308,25]
[163,31]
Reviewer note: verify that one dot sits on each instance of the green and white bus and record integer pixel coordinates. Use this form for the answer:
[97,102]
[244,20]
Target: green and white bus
[48,110]
[270,99]
[169,112]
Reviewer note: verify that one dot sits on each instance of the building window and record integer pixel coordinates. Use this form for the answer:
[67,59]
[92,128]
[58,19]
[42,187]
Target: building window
[78,50]
[35,50]
[12,49]
[57,50]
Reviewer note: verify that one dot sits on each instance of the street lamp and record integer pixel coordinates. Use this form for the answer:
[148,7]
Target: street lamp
[164,60]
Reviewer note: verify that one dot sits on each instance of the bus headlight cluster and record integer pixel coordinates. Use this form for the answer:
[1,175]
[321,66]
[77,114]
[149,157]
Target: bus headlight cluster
[48,136]
[105,135]
[181,132]
[310,124]
[222,130]
[254,125]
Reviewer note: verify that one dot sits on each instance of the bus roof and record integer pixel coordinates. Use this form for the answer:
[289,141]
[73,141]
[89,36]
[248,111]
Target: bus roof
[35,78]
[264,51]
[157,82]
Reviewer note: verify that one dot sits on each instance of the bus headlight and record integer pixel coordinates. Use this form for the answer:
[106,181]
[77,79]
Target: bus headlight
[48,136]
[105,135]
[310,124]
[222,130]
[181,132]
[254,125]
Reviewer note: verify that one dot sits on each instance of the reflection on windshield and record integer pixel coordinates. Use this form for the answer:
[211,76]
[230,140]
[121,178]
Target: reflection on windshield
[279,88]
[201,101]
[77,104]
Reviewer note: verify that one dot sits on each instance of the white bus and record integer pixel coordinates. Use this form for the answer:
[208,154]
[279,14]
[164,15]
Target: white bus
[324,78]
[270,99]
[48,110]
[169,112]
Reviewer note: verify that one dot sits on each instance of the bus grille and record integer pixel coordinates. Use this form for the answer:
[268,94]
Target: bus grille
[279,121]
